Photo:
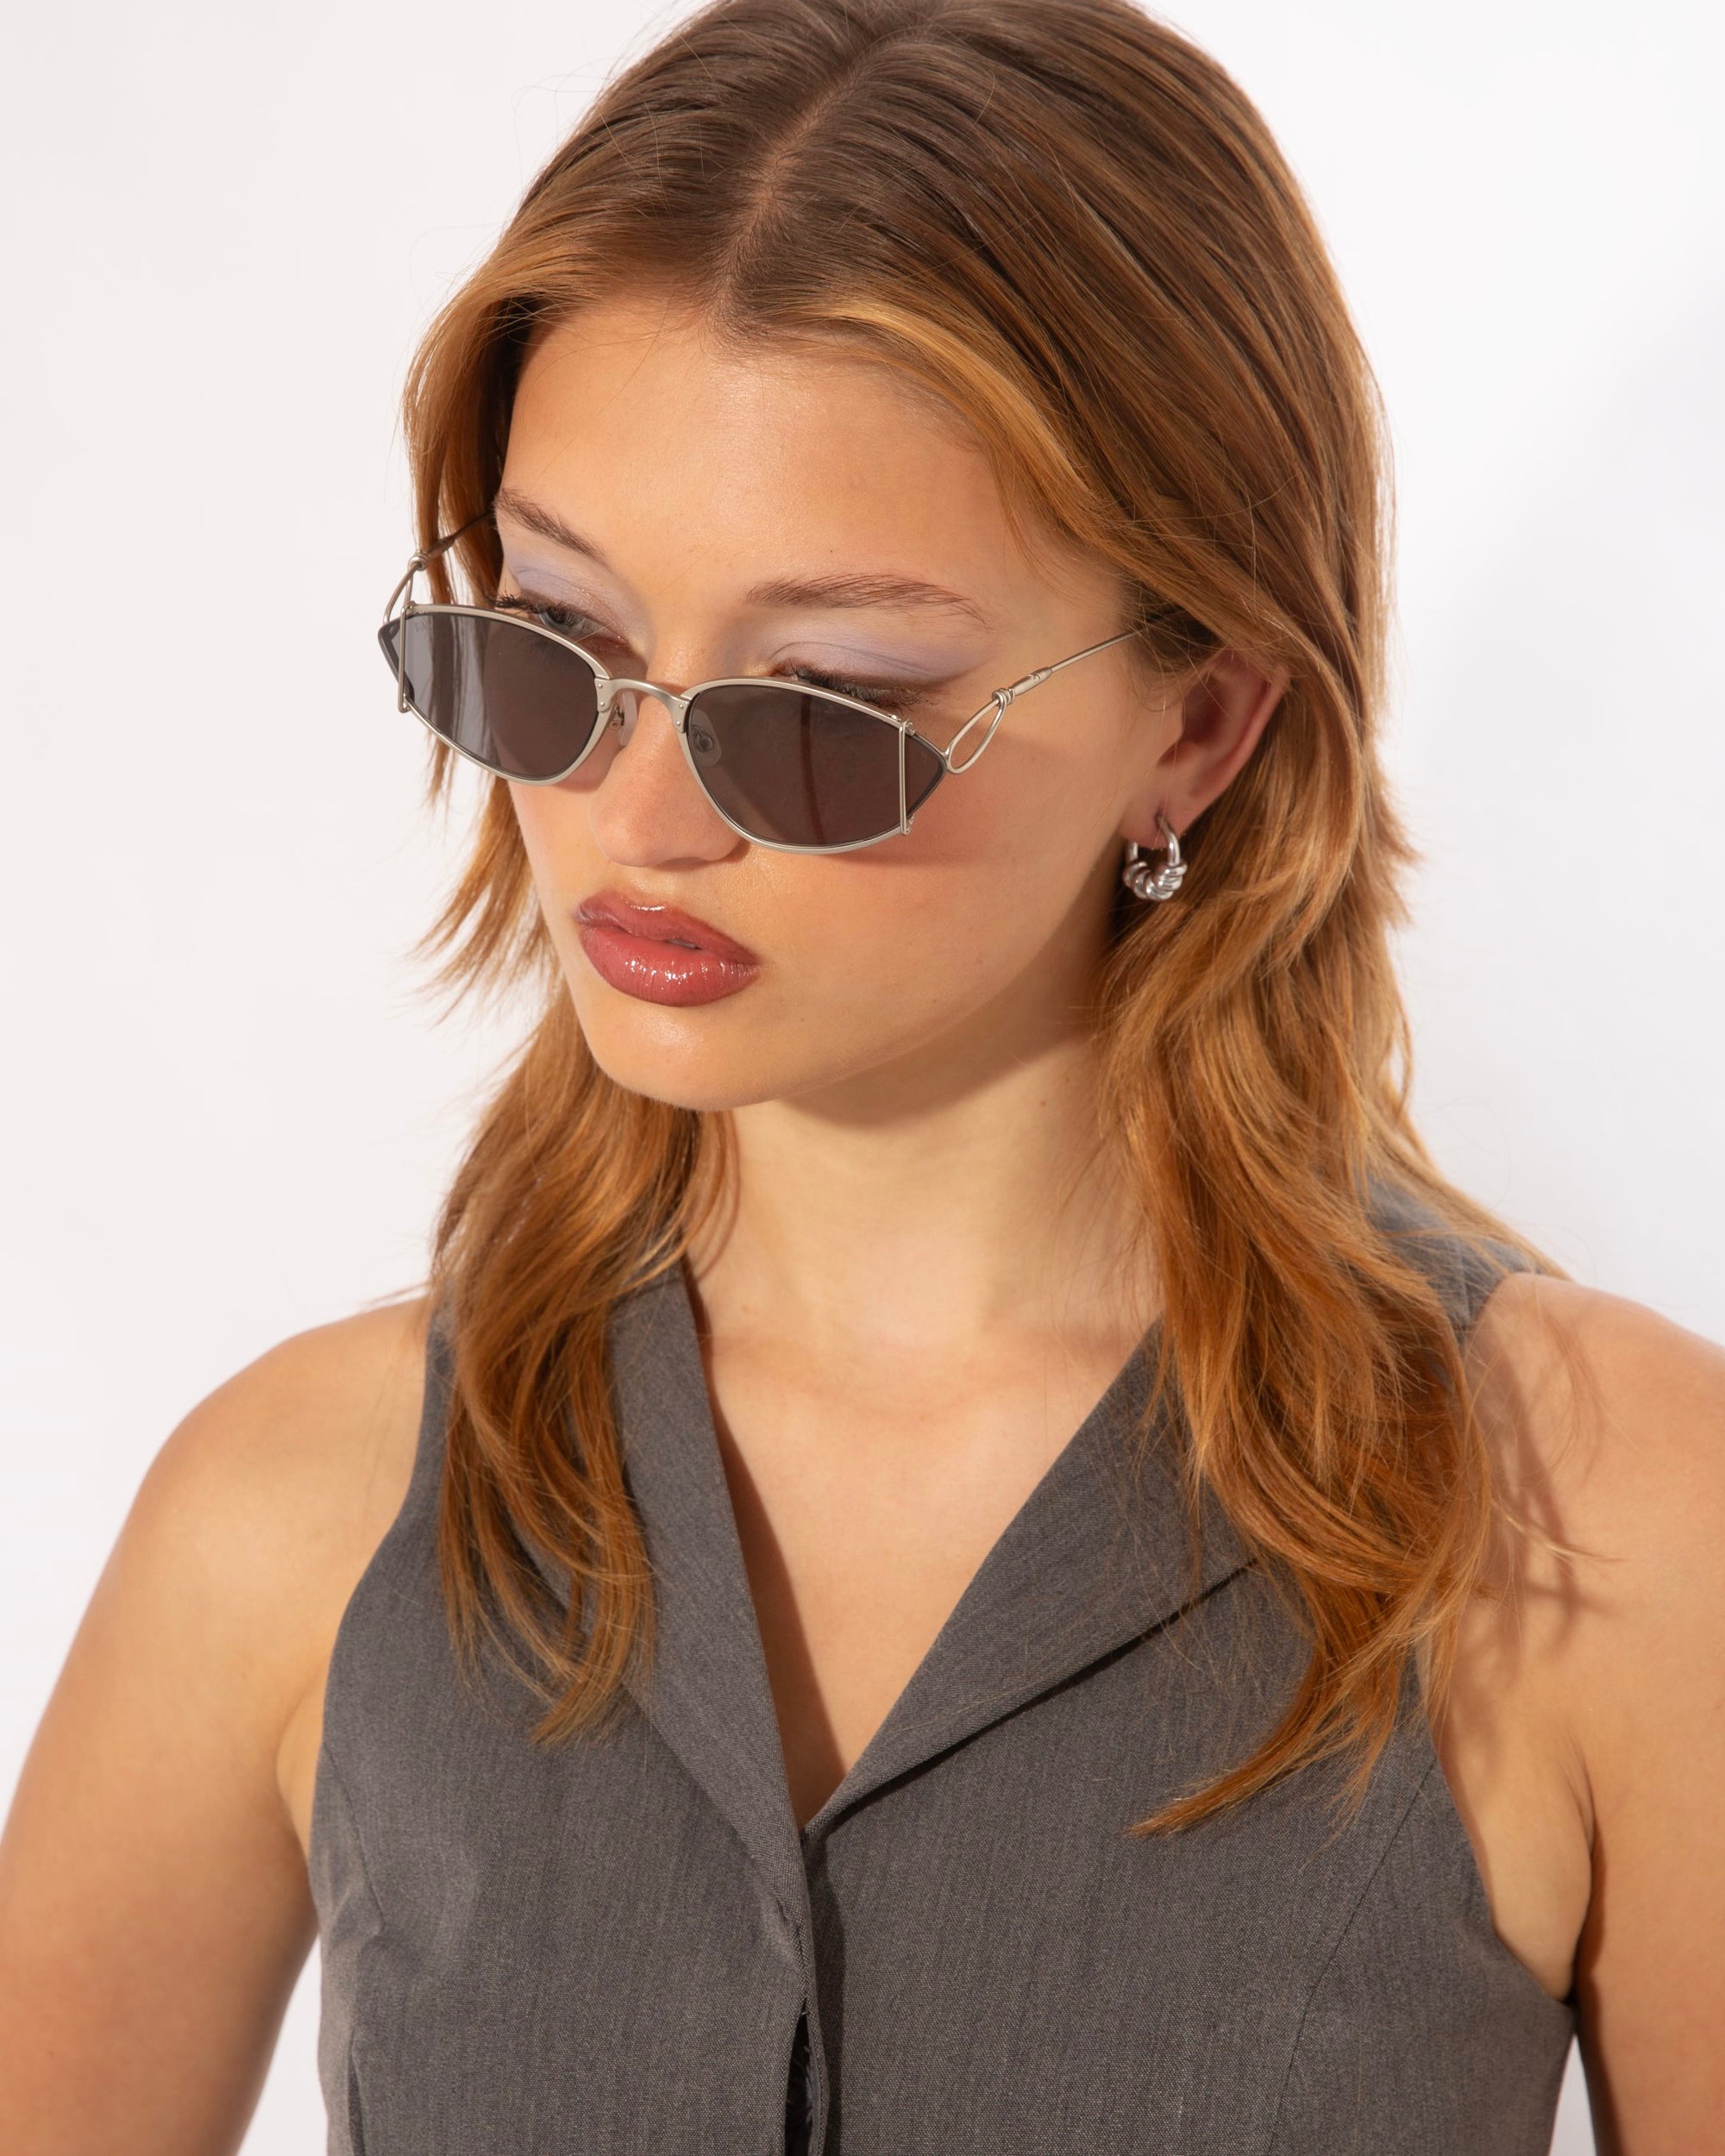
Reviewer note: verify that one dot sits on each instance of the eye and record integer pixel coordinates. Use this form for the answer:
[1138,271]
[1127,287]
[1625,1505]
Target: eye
[568,621]
[894,697]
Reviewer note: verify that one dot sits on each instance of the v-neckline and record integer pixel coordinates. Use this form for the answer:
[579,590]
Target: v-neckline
[916,1683]
[1102,1548]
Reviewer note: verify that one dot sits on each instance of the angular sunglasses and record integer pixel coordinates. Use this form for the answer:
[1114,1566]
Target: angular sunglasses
[801,770]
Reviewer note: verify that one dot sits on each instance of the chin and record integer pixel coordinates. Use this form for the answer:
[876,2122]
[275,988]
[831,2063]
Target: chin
[712,1057]
[738,1053]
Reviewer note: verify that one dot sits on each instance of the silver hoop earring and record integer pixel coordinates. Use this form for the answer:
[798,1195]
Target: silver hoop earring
[1154,884]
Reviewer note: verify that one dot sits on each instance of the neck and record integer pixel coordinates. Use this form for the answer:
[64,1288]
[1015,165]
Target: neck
[965,1199]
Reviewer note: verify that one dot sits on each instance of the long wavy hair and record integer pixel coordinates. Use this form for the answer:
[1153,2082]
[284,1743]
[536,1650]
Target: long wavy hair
[1071,226]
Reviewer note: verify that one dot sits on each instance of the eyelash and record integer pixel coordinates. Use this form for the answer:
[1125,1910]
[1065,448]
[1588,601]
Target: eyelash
[885,696]
[563,619]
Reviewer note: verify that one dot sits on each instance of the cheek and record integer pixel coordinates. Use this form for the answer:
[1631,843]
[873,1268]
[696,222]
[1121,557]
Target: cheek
[561,858]
[564,866]
[970,904]
[992,910]
[869,964]
[1000,882]
[546,835]
[887,955]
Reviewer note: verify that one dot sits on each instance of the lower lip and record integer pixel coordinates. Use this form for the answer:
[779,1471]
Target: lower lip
[661,973]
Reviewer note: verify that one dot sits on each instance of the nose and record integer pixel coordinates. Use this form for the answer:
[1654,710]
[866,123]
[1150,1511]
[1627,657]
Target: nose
[647,810]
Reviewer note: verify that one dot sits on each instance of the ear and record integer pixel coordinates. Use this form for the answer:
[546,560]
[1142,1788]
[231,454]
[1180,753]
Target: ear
[1222,717]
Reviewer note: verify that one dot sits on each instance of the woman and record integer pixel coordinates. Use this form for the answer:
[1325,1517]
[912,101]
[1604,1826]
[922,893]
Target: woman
[967,1549]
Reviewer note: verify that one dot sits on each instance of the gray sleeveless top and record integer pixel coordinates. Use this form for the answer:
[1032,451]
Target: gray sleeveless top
[625,1944]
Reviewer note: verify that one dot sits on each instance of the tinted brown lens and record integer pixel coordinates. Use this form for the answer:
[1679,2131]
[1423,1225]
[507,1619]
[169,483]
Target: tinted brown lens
[502,694]
[799,769]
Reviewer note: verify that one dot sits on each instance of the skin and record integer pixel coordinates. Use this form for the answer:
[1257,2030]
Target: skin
[925,1284]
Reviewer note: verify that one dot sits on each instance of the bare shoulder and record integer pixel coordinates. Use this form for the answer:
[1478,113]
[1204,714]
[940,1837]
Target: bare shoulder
[1598,1669]
[1605,1414]
[298,1456]
[154,1904]
[1607,1425]
[251,1529]
[269,1498]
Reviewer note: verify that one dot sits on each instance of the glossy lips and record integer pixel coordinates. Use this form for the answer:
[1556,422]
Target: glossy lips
[659,953]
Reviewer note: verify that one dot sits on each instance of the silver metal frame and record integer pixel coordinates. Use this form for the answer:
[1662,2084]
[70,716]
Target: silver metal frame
[607,686]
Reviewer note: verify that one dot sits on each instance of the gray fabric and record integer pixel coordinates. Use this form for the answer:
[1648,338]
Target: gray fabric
[607,1947]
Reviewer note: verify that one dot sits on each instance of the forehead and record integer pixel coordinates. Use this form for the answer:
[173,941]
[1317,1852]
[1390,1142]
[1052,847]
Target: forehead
[632,413]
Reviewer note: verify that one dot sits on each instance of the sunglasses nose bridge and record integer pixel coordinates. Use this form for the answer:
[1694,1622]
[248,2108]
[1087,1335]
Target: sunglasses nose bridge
[629,693]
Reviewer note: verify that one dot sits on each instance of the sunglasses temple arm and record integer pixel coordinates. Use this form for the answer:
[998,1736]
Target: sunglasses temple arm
[416,563]
[995,709]
[426,555]
[1035,681]
[443,546]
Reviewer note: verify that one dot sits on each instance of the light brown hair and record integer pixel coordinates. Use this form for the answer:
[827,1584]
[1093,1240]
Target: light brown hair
[1064,221]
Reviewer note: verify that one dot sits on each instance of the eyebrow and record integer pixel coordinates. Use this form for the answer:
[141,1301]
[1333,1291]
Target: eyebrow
[857,587]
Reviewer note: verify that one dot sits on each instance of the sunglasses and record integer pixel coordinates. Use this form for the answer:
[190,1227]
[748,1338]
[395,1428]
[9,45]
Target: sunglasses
[802,770]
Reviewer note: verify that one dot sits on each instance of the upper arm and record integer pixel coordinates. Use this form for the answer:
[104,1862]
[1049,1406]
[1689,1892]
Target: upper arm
[153,1904]
[1614,1423]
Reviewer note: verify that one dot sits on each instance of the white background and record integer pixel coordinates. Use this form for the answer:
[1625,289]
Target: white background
[228,1110]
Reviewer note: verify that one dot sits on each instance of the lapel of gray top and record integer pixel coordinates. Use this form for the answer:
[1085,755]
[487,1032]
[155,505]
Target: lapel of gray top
[706,1691]
[1102,1552]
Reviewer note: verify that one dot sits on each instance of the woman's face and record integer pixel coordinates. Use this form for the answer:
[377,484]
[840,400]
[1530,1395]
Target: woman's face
[795,512]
